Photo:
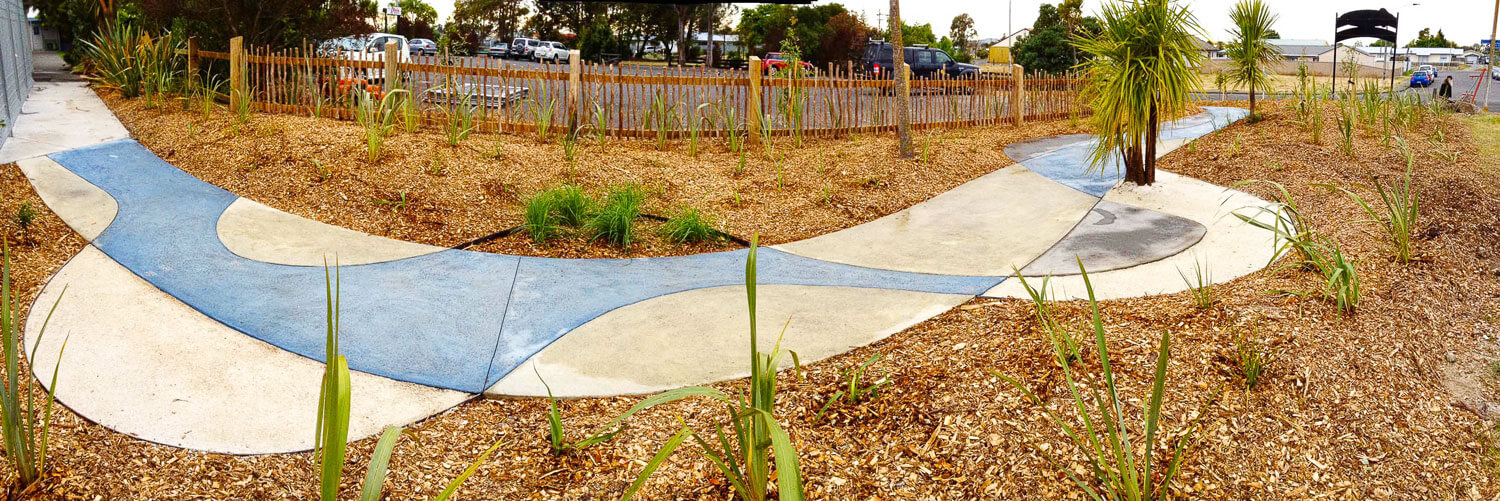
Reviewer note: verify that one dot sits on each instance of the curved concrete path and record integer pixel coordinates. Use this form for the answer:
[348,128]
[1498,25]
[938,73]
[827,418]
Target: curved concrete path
[457,323]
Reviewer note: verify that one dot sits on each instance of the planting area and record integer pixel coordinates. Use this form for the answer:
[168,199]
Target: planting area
[1387,400]
[423,190]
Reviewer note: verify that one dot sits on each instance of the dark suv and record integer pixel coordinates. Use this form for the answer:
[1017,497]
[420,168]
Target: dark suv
[925,62]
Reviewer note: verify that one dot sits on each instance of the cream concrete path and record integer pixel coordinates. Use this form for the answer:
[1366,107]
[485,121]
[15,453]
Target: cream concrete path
[60,116]
[85,208]
[254,231]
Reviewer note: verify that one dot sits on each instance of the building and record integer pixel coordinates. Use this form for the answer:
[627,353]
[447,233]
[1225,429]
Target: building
[44,37]
[1417,56]
[1207,48]
[1302,50]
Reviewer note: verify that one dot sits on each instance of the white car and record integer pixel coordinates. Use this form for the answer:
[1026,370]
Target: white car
[554,51]
[372,48]
[1430,69]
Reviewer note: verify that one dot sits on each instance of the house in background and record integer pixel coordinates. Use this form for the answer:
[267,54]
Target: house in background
[1417,56]
[44,37]
[1208,49]
[1303,50]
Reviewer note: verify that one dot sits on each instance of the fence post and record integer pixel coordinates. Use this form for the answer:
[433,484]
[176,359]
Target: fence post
[575,91]
[1017,105]
[237,87]
[192,61]
[392,75]
[752,107]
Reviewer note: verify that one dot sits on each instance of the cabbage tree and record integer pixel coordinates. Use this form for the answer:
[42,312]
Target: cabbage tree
[1251,53]
[1144,67]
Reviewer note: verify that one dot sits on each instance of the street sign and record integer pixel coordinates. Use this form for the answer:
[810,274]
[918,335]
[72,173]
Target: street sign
[393,10]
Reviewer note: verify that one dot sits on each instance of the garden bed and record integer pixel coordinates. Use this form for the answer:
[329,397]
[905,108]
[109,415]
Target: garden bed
[1376,404]
[317,168]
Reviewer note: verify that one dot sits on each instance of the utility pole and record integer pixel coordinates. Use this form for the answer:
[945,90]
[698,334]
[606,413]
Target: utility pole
[903,89]
[1489,66]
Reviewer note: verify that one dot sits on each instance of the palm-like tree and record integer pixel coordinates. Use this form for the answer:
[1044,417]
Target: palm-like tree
[1251,55]
[1143,67]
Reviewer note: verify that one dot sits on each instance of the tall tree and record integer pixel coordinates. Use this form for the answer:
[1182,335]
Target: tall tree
[1425,38]
[1143,67]
[962,31]
[1251,54]
[417,11]
[474,20]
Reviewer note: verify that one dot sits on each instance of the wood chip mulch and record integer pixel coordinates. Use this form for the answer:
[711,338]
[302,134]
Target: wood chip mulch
[1383,403]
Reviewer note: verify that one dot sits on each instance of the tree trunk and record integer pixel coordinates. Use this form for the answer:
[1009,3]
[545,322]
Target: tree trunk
[709,58]
[1252,100]
[1149,173]
[681,35]
[903,94]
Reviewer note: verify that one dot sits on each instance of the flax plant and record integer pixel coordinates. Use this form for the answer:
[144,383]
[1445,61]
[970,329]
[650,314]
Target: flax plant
[662,118]
[1118,468]
[376,115]
[1398,209]
[26,433]
[458,119]
[743,454]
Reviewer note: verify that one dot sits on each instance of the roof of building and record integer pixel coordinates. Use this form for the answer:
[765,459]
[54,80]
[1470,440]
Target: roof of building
[1420,51]
[1293,42]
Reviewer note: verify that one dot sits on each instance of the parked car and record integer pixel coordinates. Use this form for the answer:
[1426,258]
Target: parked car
[778,61]
[521,48]
[1495,73]
[371,48]
[1422,78]
[925,62]
[421,46]
[493,49]
[1430,69]
[555,51]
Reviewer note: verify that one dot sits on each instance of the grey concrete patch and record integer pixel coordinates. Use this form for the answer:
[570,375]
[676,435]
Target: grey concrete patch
[84,207]
[60,116]
[1229,249]
[986,227]
[702,336]
[254,231]
[1115,236]
[146,365]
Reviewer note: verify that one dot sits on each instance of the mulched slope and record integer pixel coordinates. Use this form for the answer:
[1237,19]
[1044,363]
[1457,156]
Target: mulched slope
[1353,407]
[457,194]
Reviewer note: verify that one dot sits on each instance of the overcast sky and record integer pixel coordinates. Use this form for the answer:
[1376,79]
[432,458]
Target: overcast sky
[1463,21]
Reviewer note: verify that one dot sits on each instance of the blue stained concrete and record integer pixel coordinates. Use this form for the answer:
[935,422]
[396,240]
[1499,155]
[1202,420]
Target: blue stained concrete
[453,319]
[1066,165]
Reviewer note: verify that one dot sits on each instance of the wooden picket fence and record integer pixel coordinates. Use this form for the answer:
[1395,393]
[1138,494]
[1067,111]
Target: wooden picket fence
[636,100]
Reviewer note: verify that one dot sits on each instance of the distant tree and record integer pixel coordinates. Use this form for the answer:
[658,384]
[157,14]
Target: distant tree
[278,24]
[962,32]
[1250,53]
[1273,35]
[844,39]
[598,39]
[1425,38]
[918,35]
[474,20]
[418,11]
[1382,43]
[1048,47]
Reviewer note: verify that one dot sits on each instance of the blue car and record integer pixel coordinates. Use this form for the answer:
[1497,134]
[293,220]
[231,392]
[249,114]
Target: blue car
[1421,78]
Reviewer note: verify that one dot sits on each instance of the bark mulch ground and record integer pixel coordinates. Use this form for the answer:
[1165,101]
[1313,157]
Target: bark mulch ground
[318,168]
[1386,402]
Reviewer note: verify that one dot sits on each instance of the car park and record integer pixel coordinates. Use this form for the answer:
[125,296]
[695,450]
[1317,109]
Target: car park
[553,51]
[371,48]
[521,48]
[925,62]
[420,46]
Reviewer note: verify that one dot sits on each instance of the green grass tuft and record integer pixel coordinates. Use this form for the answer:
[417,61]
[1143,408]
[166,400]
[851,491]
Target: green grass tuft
[690,226]
[539,218]
[614,222]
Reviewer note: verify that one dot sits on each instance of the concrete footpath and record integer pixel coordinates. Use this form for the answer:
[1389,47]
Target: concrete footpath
[196,316]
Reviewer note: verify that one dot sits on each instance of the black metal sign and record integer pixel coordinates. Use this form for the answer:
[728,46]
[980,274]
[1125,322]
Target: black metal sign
[1379,24]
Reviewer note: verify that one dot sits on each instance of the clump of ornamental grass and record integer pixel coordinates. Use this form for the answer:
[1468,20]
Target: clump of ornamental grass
[1200,284]
[1311,250]
[1117,467]
[614,222]
[539,217]
[690,226]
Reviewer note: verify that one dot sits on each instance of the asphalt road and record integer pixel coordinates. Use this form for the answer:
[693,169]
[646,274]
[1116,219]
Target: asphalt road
[1464,82]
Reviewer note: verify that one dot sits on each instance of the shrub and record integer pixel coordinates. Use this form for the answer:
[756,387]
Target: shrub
[539,219]
[26,439]
[131,61]
[1119,469]
[615,221]
[689,226]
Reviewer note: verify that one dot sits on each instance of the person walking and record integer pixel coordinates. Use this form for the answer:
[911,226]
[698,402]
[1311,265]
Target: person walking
[1446,91]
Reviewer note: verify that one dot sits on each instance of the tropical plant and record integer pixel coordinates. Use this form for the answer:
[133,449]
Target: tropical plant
[744,454]
[1118,467]
[688,226]
[331,441]
[1142,67]
[1250,52]
[855,388]
[131,61]
[26,433]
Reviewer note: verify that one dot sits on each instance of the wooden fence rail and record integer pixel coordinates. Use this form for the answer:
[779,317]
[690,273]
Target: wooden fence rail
[633,100]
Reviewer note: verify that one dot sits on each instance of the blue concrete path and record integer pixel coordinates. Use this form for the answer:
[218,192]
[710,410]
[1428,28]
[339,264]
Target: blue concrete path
[453,319]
